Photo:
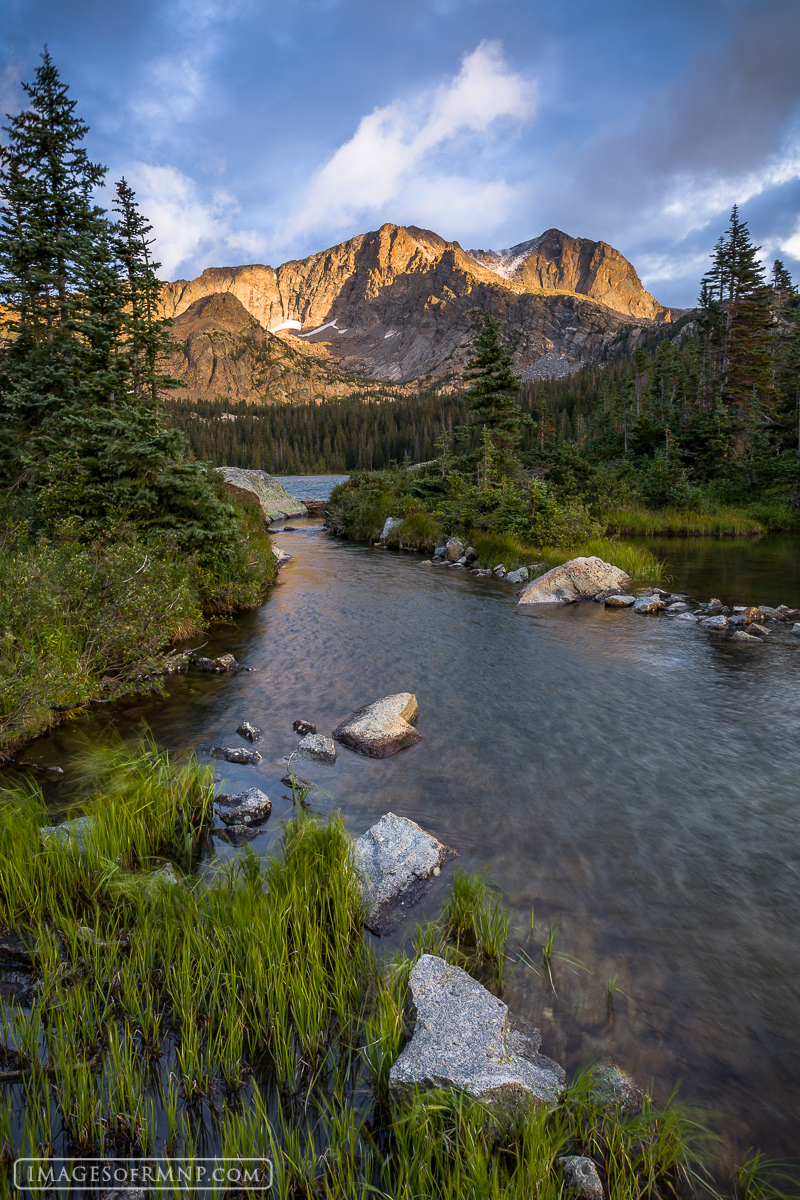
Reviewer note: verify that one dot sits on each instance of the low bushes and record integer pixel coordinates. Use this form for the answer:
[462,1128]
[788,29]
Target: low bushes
[86,621]
[502,524]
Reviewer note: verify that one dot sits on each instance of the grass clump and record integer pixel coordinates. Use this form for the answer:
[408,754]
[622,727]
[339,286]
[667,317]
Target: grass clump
[678,522]
[244,1014]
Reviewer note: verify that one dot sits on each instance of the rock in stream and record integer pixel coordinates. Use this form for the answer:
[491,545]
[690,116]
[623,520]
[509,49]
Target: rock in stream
[465,1038]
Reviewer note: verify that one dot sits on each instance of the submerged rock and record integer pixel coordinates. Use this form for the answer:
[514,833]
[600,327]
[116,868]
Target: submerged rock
[234,754]
[465,1038]
[381,728]
[251,732]
[318,747]
[615,1090]
[741,635]
[238,835]
[687,616]
[395,860]
[579,579]
[17,947]
[304,727]
[245,808]
[620,601]
[225,662]
[580,1177]
[299,782]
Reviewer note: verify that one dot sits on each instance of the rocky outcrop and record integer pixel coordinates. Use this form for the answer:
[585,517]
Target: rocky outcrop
[257,487]
[578,579]
[222,353]
[396,861]
[398,304]
[381,728]
[465,1038]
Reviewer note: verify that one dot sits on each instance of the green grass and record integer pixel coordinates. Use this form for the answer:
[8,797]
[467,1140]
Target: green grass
[713,521]
[245,1013]
[81,623]
[637,561]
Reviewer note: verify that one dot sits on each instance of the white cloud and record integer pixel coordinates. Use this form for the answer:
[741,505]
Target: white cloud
[389,156]
[186,226]
[791,244]
[694,201]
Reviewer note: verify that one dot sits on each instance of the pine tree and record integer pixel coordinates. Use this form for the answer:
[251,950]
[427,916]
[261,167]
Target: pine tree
[494,387]
[84,434]
[737,322]
[49,229]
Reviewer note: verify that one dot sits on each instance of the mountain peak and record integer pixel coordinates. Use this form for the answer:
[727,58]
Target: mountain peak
[557,262]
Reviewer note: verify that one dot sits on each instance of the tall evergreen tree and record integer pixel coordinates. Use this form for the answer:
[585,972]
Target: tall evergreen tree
[51,282]
[493,390]
[84,432]
[737,322]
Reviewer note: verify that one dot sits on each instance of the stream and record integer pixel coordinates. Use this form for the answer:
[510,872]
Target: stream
[624,776]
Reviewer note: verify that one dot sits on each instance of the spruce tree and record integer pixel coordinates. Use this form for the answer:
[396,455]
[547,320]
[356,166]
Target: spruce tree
[84,434]
[492,394]
[49,229]
[737,322]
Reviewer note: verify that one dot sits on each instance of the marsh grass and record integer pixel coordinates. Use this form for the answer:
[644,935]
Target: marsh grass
[716,521]
[247,1015]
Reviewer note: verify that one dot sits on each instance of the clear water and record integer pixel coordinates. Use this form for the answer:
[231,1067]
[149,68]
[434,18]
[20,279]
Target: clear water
[626,776]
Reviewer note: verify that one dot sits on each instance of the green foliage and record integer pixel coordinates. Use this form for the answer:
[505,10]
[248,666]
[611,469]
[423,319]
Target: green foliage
[84,435]
[117,537]
[82,622]
[492,398]
[253,989]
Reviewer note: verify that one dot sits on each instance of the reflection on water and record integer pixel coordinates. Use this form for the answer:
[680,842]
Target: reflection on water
[624,775]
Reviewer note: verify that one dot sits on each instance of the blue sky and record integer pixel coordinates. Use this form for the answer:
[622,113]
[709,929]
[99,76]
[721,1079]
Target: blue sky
[256,131]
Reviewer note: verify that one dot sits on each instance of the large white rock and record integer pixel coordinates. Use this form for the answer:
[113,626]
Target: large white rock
[381,728]
[465,1038]
[260,488]
[395,860]
[578,579]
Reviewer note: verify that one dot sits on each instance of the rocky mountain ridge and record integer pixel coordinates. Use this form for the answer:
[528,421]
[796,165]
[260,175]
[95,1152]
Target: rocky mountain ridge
[399,305]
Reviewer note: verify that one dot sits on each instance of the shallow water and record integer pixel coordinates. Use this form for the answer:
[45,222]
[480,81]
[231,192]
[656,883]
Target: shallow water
[626,776]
